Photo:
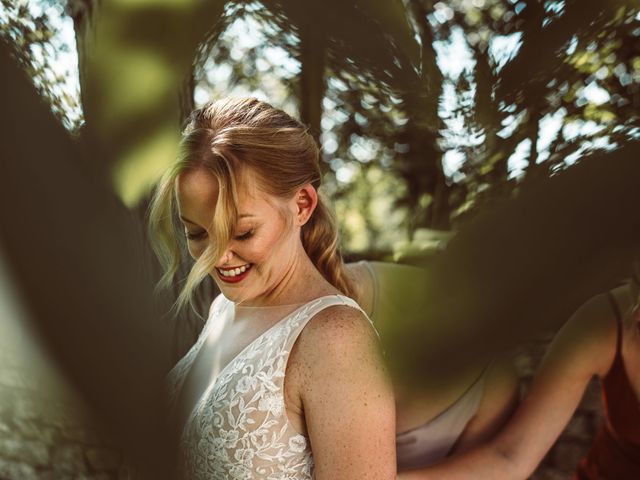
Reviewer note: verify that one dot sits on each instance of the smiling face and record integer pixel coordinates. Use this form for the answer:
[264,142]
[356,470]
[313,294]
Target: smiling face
[264,247]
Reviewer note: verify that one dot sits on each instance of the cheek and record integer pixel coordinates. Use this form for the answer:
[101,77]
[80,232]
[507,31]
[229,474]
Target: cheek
[195,249]
[257,253]
[267,249]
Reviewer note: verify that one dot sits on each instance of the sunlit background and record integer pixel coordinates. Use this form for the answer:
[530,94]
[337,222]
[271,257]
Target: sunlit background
[584,104]
[425,111]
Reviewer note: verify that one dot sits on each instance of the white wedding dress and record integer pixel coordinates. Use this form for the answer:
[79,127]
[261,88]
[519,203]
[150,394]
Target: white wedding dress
[238,428]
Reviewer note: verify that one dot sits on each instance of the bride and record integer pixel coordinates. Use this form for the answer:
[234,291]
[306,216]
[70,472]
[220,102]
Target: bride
[286,379]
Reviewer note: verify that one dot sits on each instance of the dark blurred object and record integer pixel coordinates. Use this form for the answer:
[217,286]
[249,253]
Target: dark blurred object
[76,255]
[524,265]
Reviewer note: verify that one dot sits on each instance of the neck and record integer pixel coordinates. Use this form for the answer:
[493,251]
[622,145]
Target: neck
[300,283]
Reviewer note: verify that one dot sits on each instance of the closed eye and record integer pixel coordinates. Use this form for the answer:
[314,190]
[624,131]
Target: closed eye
[196,235]
[244,236]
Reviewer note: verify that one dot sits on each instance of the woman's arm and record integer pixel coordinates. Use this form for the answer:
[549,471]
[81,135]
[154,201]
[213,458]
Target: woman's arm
[584,347]
[346,397]
[499,401]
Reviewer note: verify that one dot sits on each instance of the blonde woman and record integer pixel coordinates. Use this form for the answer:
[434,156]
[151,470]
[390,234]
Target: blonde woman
[286,379]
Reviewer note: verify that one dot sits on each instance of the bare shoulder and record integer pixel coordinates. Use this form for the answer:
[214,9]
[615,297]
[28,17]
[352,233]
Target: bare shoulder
[341,389]
[337,357]
[589,336]
[592,320]
[625,299]
[391,273]
[358,271]
[337,346]
[339,329]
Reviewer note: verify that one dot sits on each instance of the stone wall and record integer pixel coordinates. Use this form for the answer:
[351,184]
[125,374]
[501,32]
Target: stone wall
[47,433]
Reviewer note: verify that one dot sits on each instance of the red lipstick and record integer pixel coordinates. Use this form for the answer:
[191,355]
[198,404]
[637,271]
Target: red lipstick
[233,274]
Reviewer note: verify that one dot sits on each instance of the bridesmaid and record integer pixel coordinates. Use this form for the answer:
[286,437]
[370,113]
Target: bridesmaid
[601,339]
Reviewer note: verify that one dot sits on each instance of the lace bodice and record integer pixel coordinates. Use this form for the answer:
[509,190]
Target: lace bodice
[239,429]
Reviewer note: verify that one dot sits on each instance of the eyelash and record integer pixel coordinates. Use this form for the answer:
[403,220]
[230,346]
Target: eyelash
[195,236]
[199,236]
[245,236]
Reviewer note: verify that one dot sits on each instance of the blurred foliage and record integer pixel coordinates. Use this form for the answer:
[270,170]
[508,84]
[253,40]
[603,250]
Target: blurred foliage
[36,44]
[134,56]
[425,110]
[544,82]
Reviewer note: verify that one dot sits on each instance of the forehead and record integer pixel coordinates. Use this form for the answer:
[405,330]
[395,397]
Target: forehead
[196,189]
[197,194]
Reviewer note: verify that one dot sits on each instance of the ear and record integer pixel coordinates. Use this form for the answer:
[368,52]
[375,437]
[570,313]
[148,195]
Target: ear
[306,199]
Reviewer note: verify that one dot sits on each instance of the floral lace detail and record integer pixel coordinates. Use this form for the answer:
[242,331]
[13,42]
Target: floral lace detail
[239,428]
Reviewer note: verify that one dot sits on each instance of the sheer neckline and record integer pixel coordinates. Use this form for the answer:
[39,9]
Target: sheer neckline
[265,307]
[264,333]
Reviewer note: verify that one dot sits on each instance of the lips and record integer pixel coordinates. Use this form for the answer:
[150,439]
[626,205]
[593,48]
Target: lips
[233,274]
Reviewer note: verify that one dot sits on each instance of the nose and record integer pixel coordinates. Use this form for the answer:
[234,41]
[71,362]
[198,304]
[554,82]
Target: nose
[226,257]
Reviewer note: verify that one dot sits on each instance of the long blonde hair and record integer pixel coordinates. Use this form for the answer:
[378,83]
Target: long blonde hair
[225,137]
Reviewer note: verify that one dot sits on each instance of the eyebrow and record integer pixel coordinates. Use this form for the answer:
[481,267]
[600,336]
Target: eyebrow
[242,215]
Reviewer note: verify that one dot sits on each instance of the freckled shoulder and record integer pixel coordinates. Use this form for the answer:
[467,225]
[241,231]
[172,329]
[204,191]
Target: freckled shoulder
[339,394]
[337,329]
[338,338]
[344,396]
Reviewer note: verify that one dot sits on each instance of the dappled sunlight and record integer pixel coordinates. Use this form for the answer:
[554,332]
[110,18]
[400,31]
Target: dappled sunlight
[137,79]
[135,174]
[131,83]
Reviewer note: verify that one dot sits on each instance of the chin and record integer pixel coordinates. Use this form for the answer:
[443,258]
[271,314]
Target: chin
[236,295]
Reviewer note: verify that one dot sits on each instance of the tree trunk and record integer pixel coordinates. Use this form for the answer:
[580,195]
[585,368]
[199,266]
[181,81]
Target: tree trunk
[71,247]
[424,172]
[312,79]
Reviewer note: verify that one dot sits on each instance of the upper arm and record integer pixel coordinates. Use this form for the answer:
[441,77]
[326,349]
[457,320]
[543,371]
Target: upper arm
[499,400]
[583,347]
[346,397]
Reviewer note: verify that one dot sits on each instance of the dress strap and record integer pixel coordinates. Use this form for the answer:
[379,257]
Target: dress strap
[376,287]
[618,314]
